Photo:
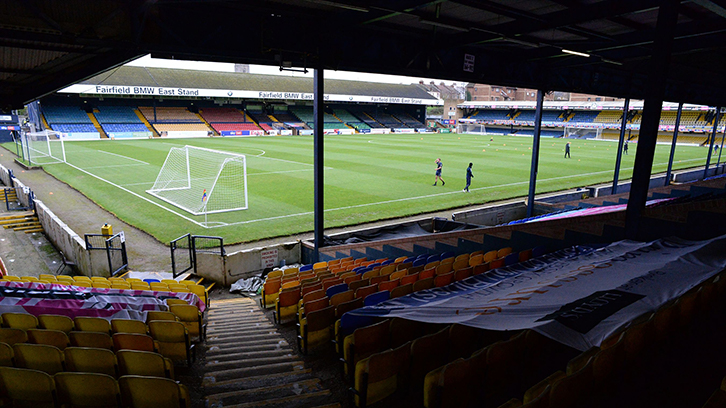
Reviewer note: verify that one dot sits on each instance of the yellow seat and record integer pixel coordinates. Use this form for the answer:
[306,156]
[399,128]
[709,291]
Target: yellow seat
[101,285]
[19,321]
[55,338]
[362,343]
[82,278]
[55,322]
[88,390]
[30,387]
[92,324]
[6,355]
[201,292]
[159,315]
[65,278]
[135,362]
[41,357]
[173,340]
[170,281]
[99,279]
[159,286]
[274,274]
[140,286]
[175,301]
[47,276]
[129,326]
[12,336]
[11,278]
[152,392]
[381,374]
[191,318]
[316,329]
[120,285]
[179,288]
[83,284]
[134,341]
[29,279]
[190,282]
[91,360]
[450,385]
[134,280]
[90,339]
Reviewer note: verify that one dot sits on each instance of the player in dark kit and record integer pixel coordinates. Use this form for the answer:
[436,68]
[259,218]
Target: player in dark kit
[625,147]
[469,176]
[567,150]
[439,167]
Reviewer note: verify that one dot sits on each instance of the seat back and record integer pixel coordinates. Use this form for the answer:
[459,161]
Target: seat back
[159,315]
[348,306]
[55,338]
[133,341]
[90,339]
[40,357]
[402,290]
[190,317]
[55,322]
[19,321]
[150,392]
[12,336]
[376,298]
[87,390]
[129,326]
[29,386]
[423,284]
[91,360]
[364,291]
[172,338]
[6,355]
[134,362]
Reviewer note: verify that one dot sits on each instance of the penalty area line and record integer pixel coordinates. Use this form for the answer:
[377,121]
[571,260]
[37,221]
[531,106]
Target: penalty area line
[122,156]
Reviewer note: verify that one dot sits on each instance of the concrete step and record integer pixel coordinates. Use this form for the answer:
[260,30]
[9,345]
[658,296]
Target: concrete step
[270,336]
[296,401]
[250,355]
[233,373]
[249,362]
[263,328]
[212,386]
[214,350]
[231,323]
[265,393]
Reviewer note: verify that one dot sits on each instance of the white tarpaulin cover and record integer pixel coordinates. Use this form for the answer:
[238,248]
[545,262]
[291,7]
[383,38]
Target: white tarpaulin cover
[578,296]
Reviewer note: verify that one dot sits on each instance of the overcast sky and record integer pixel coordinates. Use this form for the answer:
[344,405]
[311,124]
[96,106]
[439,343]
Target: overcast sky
[147,61]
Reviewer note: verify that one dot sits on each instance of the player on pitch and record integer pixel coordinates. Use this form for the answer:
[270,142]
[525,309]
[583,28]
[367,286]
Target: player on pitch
[439,167]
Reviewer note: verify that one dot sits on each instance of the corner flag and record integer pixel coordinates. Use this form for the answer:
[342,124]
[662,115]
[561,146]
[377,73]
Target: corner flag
[204,195]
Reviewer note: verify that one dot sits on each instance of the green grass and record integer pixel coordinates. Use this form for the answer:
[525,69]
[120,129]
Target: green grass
[367,177]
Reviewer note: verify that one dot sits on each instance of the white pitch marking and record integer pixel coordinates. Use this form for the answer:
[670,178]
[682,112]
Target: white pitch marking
[125,157]
[115,165]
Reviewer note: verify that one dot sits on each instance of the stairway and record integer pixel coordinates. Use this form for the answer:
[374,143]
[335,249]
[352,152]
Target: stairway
[214,131]
[97,125]
[27,222]
[146,123]
[249,364]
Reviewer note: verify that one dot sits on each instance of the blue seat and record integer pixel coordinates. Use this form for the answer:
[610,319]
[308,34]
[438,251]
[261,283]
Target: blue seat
[433,258]
[388,262]
[363,270]
[357,269]
[304,268]
[373,265]
[335,289]
[418,262]
[349,322]
[539,251]
[376,298]
[448,254]
[151,280]
[511,259]
[409,260]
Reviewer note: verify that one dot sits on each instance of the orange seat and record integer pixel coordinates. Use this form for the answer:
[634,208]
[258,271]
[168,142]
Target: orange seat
[388,285]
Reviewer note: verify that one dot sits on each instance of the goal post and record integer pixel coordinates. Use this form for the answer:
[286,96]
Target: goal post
[575,132]
[45,147]
[202,181]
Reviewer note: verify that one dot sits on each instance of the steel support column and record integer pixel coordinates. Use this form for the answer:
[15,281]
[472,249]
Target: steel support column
[720,149]
[673,144]
[318,120]
[535,153]
[619,156]
[716,118]
[654,90]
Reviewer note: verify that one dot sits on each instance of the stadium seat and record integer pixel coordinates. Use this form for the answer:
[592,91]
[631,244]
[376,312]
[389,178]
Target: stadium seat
[152,392]
[330,291]
[92,324]
[135,362]
[461,263]
[476,260]
[362,343]
[497,263]
[87,390]
[55,322]
[12,336]
[378,279]
[387,270]
[450,385]
[7,356]
[316,329]
[28,387]
[443,280]
[376,298]
[134,341]
[348,306]
[542,387]
[191,318]
[381,375]
[480,268]
[342,297]
[90,339]
[404,330]
[130,325]
[427,353]
[364,291]
[402,290]
[503,363]
[444,268]
[160,315]
[388,285]
[573,390]
[355,285]
[19,321]
[173,340]
[41,357]
[91,360]
[504,252]
[312,306]
[423,284]
[463,273]
[490,256]
[286,304]
[427,273]
[55,338]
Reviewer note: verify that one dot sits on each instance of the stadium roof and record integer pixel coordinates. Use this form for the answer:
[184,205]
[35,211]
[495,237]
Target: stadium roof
[564,105]
[142,80]
[46,45]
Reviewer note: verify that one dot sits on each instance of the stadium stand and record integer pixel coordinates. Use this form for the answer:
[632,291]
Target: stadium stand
[67,119]
[584,116]
[169,115]
[227,119]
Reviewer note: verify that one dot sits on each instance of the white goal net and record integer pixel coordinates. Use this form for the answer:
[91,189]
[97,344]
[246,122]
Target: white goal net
[44,147]
[202,181]
[582,133]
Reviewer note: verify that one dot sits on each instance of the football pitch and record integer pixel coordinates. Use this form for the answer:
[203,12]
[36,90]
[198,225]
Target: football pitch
[367,177]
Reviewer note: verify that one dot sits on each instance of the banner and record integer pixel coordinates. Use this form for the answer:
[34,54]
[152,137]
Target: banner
[578,296]
[43,298]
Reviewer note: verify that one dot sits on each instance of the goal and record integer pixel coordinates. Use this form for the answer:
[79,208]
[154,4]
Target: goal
[583,133]
[202,181]
[44,147]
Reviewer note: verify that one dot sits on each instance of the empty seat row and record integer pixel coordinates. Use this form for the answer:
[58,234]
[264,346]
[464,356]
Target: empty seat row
[38,389]
[52,360]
